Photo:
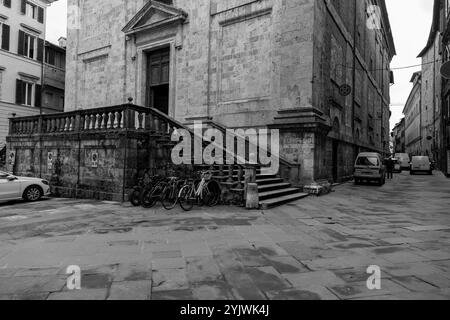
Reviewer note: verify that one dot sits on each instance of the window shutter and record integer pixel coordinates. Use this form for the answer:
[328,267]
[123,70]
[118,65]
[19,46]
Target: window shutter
[40,52]
[5,37]
[7,3]
[19,92]
[23,7]
[20,48]
[38,96]
[51,57]
[40,15]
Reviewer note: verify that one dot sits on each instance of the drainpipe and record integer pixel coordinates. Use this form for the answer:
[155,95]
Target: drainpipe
[433,146]
[208,98]
[354,68]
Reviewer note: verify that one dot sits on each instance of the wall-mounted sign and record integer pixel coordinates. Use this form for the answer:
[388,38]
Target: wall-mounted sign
[12,158]
[345,90]
[49,160]
[94,160]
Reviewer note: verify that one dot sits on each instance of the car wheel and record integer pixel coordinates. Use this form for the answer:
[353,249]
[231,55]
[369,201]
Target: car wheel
[357,181]
[430,173]
[33,193]
[411,172]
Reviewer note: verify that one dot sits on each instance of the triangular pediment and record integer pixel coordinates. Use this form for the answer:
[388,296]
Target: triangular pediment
[154,14]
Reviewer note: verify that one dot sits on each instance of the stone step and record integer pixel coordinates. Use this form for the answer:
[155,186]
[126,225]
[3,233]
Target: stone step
[275,202]
[235,177]
[272,187]
[277,193]
[262,182]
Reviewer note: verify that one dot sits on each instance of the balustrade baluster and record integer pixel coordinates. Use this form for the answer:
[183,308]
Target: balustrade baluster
[93,122]
[119,120]
[156,122]
[105,121]
[230,173]
[151,123]
[99,121]
[140,121]
[112,120]
[240,176]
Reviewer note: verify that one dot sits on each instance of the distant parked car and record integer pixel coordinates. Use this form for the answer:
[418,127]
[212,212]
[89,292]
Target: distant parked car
[397,166]
[404,160]
[369,167]
[421,164]
[29,189]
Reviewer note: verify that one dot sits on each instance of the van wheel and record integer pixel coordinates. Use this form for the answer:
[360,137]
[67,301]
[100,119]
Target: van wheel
[33,193]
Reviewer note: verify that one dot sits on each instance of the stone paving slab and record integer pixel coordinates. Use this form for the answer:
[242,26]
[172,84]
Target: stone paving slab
[131,290]
[316,248]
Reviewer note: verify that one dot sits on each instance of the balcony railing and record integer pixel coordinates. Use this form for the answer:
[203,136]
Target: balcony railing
[116,118]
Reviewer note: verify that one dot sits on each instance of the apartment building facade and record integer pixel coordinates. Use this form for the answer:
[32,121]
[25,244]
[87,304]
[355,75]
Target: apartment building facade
[22,29]
[413,117]
[398,134]
[445,110]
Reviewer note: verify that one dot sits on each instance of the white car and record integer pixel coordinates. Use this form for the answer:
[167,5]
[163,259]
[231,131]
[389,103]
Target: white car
[421,164]
[29,189]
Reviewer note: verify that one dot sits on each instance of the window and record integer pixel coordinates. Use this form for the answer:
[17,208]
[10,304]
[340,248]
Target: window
[55,58]
[31,10]
[7,3]
[48,98]
[28,93]
[4,36]
[29,46]
[368,161]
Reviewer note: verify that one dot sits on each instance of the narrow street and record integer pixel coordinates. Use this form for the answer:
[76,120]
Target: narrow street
[316,248]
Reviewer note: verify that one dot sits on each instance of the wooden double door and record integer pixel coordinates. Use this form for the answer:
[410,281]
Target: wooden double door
[158,78]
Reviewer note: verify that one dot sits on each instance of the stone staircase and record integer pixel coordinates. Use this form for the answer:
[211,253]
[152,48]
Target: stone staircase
[273,190]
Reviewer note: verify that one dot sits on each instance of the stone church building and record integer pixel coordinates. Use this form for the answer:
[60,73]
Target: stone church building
[244,63]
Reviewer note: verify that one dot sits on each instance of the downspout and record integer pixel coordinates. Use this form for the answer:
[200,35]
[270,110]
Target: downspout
[433,146]
[208,90]
[354,69]
[382,106]
[420,115]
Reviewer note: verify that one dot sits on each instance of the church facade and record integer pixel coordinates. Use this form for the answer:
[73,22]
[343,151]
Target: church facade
[317,70]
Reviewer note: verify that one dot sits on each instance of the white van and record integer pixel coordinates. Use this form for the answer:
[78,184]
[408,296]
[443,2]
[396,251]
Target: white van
[404,160]
[369,167]
[421,164]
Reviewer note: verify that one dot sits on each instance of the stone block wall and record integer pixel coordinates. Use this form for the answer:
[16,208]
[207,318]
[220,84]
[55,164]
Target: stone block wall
[72,171]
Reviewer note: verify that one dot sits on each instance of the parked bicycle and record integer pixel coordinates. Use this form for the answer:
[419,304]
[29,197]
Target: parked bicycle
[152,192]
[169,196]
[206,192]
[135,195]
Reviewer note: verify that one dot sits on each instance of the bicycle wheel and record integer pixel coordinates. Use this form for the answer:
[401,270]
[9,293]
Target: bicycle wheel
[212,193]
[185,198]
[147,200]
[135,197]
[169,198]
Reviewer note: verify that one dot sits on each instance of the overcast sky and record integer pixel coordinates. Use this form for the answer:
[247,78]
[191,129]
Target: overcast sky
[410,22]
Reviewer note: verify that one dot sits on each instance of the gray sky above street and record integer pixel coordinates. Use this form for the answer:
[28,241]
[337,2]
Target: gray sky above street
[410,21]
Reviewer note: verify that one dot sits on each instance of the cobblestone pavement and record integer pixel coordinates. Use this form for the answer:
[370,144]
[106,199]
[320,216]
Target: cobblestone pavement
[317,248]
